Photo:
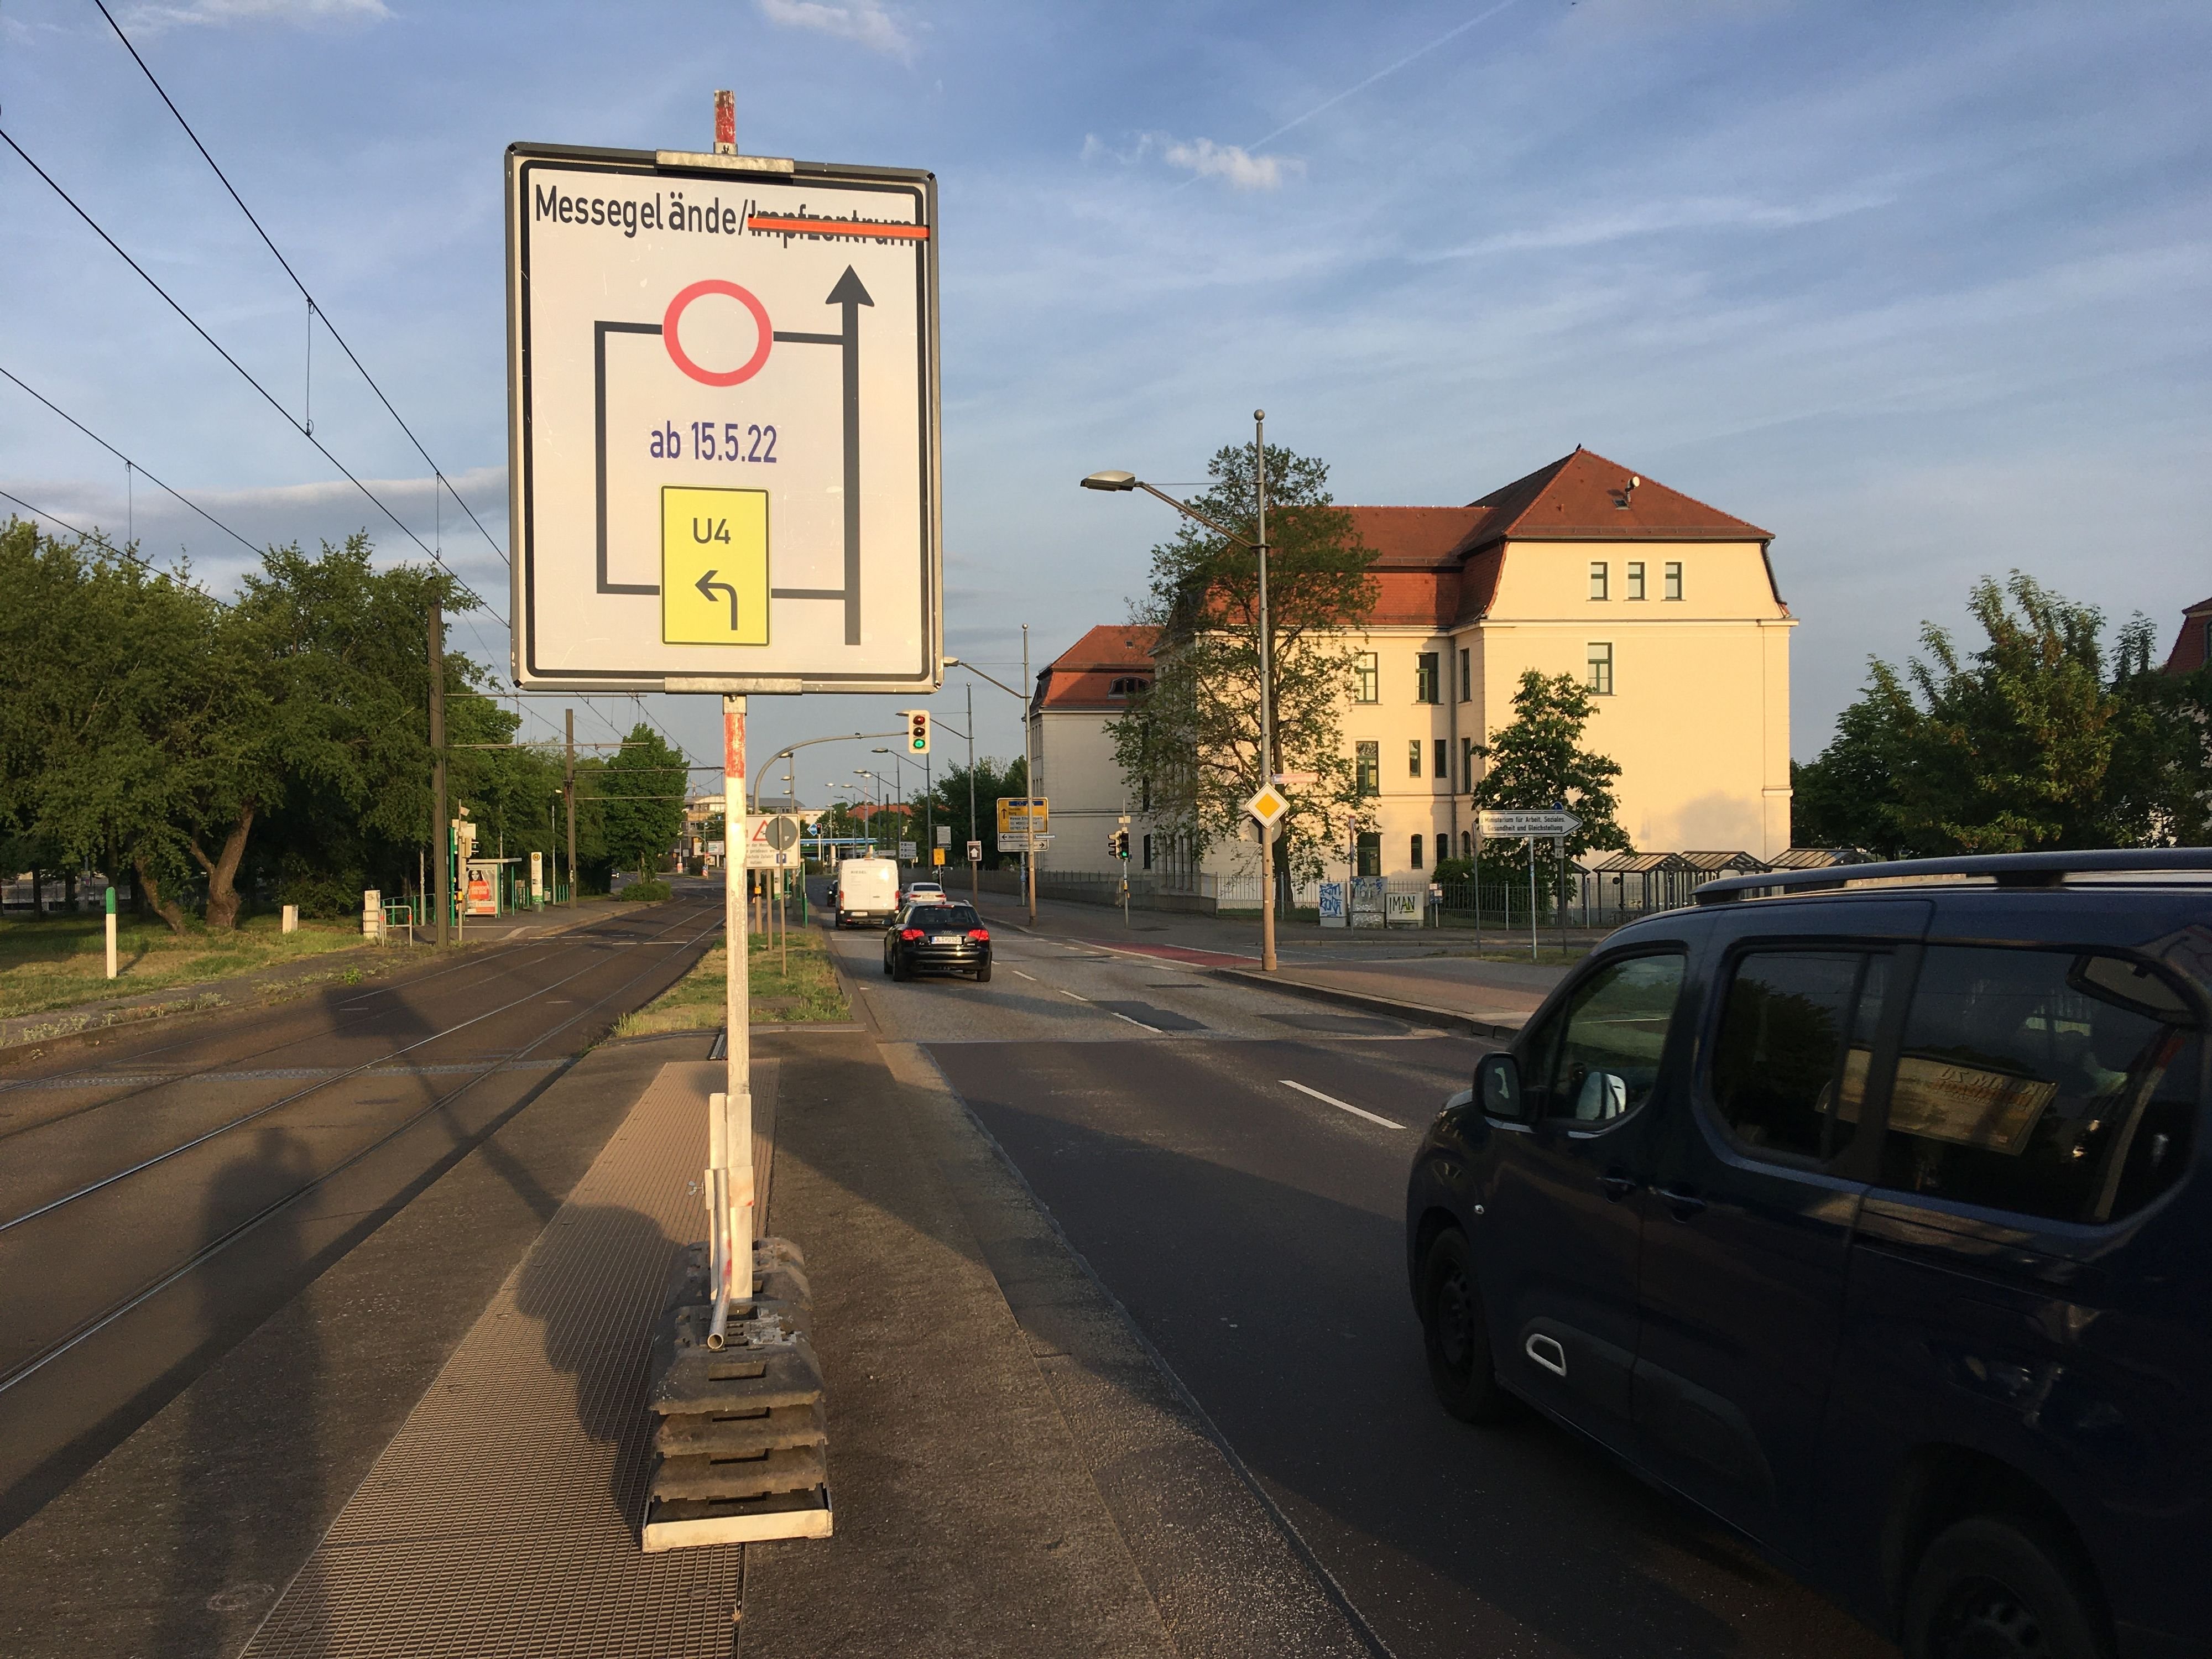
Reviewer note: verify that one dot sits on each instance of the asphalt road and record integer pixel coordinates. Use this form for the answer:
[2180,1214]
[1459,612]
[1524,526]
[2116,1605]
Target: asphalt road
[1230,1163]
[163,1192]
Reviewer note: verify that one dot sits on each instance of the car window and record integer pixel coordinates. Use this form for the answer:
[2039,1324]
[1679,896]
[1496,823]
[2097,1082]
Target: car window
[1796,1044]
[1605,1058]
[949,918]
[2048,1083]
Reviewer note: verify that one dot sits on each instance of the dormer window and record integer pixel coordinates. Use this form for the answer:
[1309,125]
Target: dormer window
[1128,686]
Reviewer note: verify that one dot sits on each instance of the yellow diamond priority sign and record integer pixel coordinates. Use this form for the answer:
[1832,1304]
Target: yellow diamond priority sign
[1268,805]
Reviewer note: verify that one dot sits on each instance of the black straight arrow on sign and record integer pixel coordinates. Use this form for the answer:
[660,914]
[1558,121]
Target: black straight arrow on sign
[708,588]
[850,294]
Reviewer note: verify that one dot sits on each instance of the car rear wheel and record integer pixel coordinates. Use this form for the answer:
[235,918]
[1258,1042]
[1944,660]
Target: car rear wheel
[1456,1335]
[983,975]
[887,964]
[1996,1588]
[899,967]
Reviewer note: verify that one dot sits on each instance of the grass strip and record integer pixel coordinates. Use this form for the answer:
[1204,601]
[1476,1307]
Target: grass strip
[62,961]
[808,994]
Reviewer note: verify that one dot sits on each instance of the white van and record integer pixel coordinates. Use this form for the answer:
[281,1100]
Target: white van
[867,890]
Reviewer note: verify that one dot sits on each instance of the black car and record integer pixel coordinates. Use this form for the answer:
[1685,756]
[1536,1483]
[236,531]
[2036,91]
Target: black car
[938,939]
[1877,1222]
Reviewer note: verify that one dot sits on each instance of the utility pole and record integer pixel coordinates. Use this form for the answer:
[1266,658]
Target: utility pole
[974,829]
[1267,695]
[440,831]
[568,794]
[1029,777]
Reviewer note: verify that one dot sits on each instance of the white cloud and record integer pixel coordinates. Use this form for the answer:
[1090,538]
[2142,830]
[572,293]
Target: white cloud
[1655,218]
[1233,162]
[218,13]
[864,23]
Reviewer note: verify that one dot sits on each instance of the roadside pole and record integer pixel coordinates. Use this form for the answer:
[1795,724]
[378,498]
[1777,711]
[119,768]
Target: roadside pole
[441,833]
[1029,778]
[568,794]
[1266,699]
[111,930]
[1532,899]
[730,1131]
[974,829]
[1478,888]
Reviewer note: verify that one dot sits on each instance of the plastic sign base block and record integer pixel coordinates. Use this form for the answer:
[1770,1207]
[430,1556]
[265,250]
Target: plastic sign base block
[741,1441]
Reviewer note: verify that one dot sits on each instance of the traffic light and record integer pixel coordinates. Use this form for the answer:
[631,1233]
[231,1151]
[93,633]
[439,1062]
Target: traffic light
[917,731]
[1119,842]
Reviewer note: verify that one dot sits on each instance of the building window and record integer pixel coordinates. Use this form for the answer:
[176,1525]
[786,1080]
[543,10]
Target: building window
[1367,769]
[1414,758]
[1424,678]
[1636,579]
[1673,578]
[1128,688]
[1368,861]
[1466,843]
[1366,678]
[1417,852]
[1598,577]
[1148,852]
[1466,762]
[1465,680]
[1600,669]
[1442,770]
[1145,794]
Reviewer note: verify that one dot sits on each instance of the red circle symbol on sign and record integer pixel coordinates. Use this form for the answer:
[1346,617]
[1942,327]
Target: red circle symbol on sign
[669,323]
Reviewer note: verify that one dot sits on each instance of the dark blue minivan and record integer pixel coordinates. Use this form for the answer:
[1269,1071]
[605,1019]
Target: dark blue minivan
[1875,1220]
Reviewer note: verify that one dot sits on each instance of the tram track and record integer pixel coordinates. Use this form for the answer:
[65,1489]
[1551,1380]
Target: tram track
[367,1068]
[91,1324]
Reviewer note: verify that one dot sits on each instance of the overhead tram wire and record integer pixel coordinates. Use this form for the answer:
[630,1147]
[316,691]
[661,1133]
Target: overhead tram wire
[101,542]
[314,305]
[58,409]
[267,397]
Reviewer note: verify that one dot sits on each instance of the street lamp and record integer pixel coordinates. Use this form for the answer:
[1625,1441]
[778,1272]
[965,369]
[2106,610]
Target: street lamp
[1029,760]
[1121,482]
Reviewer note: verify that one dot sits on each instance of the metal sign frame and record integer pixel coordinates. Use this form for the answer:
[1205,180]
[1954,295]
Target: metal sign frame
[731,174]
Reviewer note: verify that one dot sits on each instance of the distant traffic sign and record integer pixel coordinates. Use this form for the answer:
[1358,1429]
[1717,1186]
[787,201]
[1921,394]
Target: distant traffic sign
[768,847]
[1024,814]
[1268,805]
[975,851]
[1297,779]
[723,423]
[1508,825]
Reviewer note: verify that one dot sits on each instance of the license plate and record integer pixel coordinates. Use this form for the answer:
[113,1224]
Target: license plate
[944,938]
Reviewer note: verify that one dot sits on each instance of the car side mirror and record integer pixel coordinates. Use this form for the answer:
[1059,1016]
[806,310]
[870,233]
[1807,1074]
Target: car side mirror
[1498,1086]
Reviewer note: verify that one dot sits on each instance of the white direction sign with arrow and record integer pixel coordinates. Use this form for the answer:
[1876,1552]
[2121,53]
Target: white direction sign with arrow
[1504,826]
[722,386]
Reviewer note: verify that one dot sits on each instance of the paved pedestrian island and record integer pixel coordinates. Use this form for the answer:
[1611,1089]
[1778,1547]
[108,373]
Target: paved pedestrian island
[502,1518]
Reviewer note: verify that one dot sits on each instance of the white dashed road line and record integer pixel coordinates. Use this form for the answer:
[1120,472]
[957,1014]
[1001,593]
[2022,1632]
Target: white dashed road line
[1341,1105]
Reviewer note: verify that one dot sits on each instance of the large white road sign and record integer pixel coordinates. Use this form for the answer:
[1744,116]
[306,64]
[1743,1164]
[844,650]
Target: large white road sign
[723,405]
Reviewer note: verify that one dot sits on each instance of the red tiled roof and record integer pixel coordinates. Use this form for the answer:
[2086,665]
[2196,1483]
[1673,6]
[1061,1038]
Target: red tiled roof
[1585,497]
[1413,537]
[2193,643]
[1083,676]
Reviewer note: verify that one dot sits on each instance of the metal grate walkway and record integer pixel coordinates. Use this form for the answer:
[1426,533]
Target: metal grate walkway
[502,1518]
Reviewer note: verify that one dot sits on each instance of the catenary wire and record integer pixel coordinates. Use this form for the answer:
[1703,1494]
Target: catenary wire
[128,462]
[290,418]
[314,305]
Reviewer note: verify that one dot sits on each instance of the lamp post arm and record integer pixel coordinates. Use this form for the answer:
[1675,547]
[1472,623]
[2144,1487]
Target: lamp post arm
[842,737]
[1190,511]
[956,662]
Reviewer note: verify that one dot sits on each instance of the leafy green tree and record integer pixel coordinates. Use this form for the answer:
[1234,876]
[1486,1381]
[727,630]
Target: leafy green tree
[642,792]
[2044,737]
[1193,740]
[994,778]
[1536,762]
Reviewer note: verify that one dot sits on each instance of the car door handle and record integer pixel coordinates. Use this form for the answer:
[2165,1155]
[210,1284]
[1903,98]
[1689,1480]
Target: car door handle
[1617,1185]
[1682,1200]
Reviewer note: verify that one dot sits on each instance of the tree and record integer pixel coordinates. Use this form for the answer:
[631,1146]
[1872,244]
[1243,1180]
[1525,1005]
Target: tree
[1536,762]
[1192,741]
[994,778]
[2043,737]
[643,790]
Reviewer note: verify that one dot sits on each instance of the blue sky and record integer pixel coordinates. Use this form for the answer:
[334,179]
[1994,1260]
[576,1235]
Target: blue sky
[1921,288]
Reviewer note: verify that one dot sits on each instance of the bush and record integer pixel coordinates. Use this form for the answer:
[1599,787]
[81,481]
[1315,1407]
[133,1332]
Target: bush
[646,892]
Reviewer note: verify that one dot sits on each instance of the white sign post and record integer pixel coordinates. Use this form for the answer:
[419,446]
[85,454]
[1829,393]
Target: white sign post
[723,408]
[1532,827]
[722,464]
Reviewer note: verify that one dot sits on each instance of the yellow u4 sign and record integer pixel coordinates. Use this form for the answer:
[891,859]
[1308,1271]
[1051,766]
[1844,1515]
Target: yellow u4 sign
[714,566]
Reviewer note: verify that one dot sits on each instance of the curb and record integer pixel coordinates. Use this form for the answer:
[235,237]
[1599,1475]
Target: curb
[1418,1012]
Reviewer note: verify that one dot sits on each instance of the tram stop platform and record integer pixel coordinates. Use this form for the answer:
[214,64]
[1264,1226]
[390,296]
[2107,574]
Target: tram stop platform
[439,1445]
